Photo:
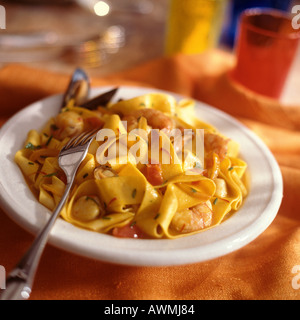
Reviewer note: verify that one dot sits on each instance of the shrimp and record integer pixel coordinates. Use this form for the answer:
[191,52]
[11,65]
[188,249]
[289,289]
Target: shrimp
[215,150]
[103,172]
[132,122]
[155,118]
[214,143]
[68,124]
[192,219]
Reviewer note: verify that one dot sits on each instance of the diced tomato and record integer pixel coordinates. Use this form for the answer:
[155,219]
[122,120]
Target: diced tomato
[128,231]
[94,122]
[153,173]
[62,177]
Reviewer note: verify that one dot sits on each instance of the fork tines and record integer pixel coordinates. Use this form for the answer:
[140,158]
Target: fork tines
[82,139]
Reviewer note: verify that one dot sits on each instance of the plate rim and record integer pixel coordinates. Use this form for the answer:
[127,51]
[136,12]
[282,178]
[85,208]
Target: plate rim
[57,241]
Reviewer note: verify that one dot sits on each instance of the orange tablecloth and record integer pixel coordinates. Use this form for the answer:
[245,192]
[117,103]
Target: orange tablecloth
[260,270]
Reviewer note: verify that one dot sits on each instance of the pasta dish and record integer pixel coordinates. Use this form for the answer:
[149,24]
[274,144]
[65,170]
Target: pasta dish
[153,171]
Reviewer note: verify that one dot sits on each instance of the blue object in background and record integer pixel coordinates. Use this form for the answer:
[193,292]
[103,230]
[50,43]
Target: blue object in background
[238,6]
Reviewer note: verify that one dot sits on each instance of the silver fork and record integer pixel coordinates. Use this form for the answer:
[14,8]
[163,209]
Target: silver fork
[20,281]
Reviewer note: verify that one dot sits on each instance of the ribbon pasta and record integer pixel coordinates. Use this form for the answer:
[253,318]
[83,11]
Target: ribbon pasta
[119,189]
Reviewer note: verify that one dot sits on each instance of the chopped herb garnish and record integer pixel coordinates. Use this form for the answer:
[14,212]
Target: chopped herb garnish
[49,140]
[133,193]
[30,146]
[133,224]
[50,174]
[31,163]
[90,198]
[193,190]
[231,168]
[215,201]
[85,175]
[106,218]
[156,216]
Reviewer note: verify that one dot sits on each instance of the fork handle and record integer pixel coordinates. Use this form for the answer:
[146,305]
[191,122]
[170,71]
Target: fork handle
[20,280]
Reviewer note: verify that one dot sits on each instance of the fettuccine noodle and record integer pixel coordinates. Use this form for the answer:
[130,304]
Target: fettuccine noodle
[130,194]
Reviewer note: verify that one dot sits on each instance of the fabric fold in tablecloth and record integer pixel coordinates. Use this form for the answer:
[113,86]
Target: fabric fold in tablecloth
[261,270]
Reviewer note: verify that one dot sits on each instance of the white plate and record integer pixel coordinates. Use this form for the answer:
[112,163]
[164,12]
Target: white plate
[258,211]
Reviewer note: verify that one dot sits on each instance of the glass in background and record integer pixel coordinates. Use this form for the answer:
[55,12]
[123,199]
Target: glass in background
[265,50]
[236,7]
[194,25]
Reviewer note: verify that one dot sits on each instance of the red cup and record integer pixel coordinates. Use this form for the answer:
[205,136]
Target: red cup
[265,49]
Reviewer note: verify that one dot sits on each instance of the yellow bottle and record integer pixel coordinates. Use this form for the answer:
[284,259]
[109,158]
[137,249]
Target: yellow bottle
[194,25]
